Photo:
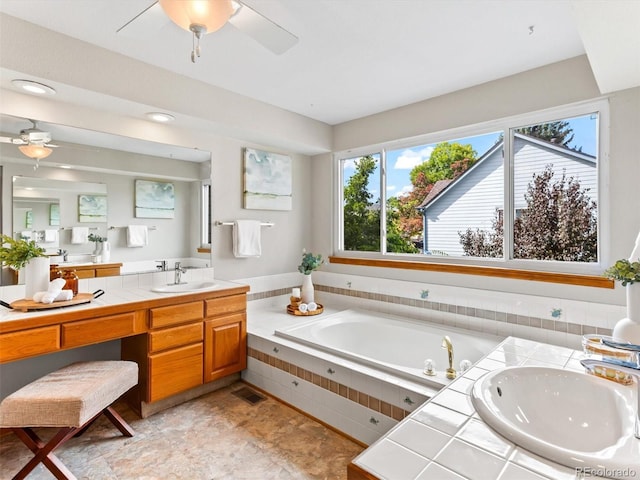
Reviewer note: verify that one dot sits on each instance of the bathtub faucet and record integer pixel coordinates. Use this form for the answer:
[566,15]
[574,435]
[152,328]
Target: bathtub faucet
[446,343]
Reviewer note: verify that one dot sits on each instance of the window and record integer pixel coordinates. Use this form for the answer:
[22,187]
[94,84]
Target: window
[446,197]
[205,215]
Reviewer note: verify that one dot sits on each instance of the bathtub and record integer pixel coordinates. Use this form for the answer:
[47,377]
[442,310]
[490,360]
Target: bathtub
[390,343]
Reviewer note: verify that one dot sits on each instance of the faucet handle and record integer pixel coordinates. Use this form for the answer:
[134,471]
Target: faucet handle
[621,345]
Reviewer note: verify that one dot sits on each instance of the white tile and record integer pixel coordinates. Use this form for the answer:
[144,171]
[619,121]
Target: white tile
[455,400]
[490,364]
[475,373]
[542,466]
[469,461]
[438,472]
[477,433]
[419,438]
[462,384]
[390,460]
[440,418]
[514,472]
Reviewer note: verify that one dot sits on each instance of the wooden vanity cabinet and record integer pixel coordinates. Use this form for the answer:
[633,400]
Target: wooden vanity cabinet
[225,336]
[175,351]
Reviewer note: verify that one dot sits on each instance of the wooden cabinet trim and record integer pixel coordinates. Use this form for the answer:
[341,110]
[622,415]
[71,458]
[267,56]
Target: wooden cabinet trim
[175,337]
[96,330]
[175,314]
[29,343]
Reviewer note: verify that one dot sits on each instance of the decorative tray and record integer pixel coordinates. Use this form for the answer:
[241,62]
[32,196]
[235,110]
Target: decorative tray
[28,305]
[293,310]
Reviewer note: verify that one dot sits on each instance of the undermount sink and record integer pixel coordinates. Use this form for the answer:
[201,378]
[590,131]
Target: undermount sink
[185,287]
[572,418]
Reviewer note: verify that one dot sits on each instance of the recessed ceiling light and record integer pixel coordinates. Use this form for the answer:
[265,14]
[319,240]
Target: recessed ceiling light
[64,166]
[160,117]
[34,87]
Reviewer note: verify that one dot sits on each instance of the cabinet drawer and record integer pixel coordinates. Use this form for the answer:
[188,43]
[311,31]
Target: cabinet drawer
[175,337]
[86,332]
[174,371]
[225,305]
[107,272]
[175,314]
[86,273]
[27,343]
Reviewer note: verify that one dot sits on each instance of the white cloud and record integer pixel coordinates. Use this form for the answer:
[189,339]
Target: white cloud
[349,164]
[403,191]
[390,188]
[412,158]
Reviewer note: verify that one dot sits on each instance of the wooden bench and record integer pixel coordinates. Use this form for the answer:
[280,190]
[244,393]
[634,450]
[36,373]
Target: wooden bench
[69,399]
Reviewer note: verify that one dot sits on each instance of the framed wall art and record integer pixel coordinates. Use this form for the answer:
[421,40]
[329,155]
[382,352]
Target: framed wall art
[154,199]
[267,180]
[92,208]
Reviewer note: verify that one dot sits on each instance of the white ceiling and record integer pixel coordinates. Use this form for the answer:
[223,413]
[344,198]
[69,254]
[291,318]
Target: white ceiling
[360,57]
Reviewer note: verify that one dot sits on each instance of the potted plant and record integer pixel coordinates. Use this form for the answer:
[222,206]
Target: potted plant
[310,262]
[628,273]
[102,247]
[26,254]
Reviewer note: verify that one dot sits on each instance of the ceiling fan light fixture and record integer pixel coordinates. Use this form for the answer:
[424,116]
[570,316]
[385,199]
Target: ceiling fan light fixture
[36,152]
[211,14]
[160,117]
[33,87]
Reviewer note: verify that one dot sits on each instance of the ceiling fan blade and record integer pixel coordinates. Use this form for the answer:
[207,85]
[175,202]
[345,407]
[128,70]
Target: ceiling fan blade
[6,140]
[149,20]
[271,35]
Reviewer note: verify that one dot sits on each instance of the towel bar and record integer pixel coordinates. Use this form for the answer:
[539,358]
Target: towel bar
[218,223]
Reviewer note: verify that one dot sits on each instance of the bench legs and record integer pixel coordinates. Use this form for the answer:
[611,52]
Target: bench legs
[43,452]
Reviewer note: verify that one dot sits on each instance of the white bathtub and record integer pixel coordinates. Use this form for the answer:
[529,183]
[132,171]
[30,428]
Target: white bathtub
[393,344]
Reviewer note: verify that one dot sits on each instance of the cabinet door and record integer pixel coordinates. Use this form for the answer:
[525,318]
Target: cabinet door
[225,350]
[174,371]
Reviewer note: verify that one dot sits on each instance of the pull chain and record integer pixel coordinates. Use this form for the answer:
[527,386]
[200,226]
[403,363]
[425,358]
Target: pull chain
[197,33]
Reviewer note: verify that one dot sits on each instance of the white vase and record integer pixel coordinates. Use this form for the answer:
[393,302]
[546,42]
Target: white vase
[36,276]
[106,252]
[307,294]
[628,329]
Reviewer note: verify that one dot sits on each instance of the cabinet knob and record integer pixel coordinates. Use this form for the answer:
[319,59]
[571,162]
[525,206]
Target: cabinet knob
[295,383]
[276,349]
[330,371]
[373,420]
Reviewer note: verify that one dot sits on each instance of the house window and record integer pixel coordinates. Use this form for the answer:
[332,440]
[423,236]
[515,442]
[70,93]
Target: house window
[205,215]
[447,197]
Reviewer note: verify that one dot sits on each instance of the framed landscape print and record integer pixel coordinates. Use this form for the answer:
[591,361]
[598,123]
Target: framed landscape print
[92,208]
[267,180]
[154,199]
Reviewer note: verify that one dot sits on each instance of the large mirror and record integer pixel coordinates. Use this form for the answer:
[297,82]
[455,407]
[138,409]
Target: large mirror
[44,200]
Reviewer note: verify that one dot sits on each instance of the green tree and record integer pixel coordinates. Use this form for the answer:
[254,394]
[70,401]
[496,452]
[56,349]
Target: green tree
[446,161]
[558,132]
[559,223]
[361,218]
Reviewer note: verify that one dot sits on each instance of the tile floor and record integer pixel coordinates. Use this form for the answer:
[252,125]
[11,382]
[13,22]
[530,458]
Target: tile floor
[216,436]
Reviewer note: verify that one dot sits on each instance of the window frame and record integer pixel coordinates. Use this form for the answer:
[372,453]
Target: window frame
[205,215]
[507,125]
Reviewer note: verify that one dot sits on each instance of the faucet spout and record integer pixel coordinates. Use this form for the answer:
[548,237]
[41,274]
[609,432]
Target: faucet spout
[446,343]
[179,270]
[629,368]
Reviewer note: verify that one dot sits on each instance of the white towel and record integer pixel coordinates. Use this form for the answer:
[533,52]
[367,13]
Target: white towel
[137,236]
[52,293]
[50,236]
[635,254]
[45,297]
[246,238]
[79,235]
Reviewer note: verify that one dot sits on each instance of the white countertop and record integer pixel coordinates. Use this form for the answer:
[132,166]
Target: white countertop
[446,439]
[112,296]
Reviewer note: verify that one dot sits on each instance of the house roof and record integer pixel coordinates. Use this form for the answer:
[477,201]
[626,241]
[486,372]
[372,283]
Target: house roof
[437,188]
[431,199]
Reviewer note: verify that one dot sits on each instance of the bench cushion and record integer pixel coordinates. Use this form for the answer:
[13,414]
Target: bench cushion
[69,397]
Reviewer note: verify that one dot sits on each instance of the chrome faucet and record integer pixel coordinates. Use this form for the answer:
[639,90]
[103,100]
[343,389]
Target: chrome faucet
[446,343]
[162,265]
[179,270]
[630,368]
[64,254]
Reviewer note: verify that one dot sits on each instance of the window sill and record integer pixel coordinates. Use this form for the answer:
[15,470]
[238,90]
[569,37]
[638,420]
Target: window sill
[514,274]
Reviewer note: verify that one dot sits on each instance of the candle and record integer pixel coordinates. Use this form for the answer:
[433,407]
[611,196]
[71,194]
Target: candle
[295,292]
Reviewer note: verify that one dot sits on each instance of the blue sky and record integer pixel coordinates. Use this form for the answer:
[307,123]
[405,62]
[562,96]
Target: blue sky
[400,162]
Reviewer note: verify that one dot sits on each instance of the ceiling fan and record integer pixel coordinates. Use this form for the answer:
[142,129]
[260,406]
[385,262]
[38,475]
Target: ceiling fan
[32,142]
[206,16]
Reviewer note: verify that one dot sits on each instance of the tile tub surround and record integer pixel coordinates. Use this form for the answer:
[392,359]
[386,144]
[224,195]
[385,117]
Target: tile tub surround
[556,321]
[359,401]
[445,438]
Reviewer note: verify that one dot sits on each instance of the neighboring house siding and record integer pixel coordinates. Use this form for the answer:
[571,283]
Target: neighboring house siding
[472,200]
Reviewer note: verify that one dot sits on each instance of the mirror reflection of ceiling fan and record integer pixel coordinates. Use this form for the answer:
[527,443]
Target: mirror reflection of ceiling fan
[206,16]
[32,142]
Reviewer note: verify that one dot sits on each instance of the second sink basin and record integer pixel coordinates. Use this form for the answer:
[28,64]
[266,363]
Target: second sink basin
[185,287]
[572,418]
